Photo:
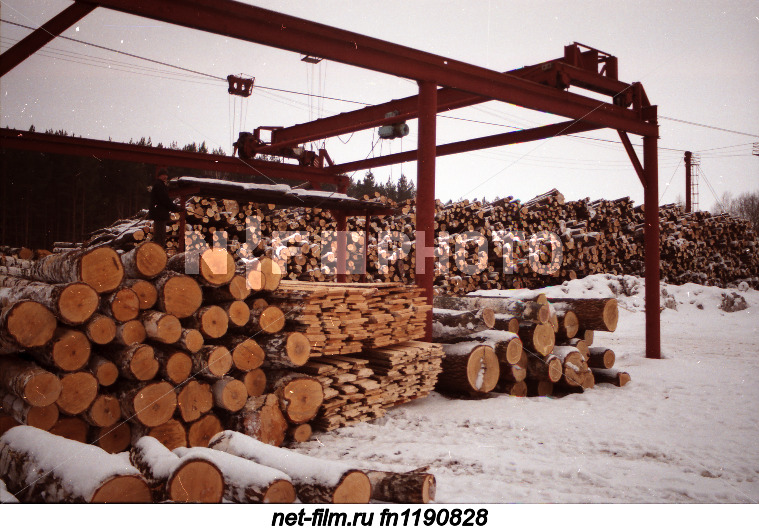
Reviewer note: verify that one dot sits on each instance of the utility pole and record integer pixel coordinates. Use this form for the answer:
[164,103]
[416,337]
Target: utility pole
[691,181]
[688,158]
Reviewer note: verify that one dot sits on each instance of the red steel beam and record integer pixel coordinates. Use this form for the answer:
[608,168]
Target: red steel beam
[425,195]
[67,145]
[652,252]
[254,24]
[459,147]
[33,42]
[633,157]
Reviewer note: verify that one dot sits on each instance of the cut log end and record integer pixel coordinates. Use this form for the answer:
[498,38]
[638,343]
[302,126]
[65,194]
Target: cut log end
[298,348]
[196,481]
[101,268]
[42,389]
[150,259]
[272,320]
[355,488]
[78,301]
[217,266]
[154,404]
[101,329]
[78,391]
[200,433]
[482,369]
[30,324]
[180,295]
[123,489]
[115,439]
[279,492]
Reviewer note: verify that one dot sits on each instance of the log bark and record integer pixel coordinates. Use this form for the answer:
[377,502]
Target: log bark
[78,391]
[191,479]
[136,362]
[145,261]
[212,362]
[315,481]
[38,466]
[469,367]
[162,327]
[300,395]
[100,268]
[130,333]
[25,324]
[525,310]
[236,290]
[34,385]
[601,358]
[285,350]
[191,340]
[212,267]
[104,370]
[512,388]
[506,345]
[230,394]
[507,323]
[178,295]
[548,368]
[613,376]
[539,338]
[593,314]
[72,303]
[69,350]
[452,324]
[246,353]
[414,487]
[40,417]
[261,418]
[246,481]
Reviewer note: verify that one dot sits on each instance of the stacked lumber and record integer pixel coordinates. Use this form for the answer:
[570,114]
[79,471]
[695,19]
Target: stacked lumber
[344,319]
[549,353]
[363,387]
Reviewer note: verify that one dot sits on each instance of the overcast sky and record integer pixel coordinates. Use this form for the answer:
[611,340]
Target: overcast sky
[698,62]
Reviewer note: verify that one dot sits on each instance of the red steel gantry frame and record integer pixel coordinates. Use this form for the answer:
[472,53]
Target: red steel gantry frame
[444,84]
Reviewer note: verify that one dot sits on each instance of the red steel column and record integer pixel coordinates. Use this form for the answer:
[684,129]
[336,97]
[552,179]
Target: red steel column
[425,193]
[651,202]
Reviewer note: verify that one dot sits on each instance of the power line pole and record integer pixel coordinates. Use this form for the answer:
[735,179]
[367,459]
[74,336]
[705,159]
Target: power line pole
[691,182]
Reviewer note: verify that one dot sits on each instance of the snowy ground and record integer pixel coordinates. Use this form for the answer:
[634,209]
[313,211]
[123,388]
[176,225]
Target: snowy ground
[685,430]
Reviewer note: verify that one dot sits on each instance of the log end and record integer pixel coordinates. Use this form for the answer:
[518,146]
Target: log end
[78,391]
[123,489]
[201,431]
[217,266]
[155,403]
[30,324]
[355,488]
[255,382]
[196,481]
[144,365]
[272,320]
[279,492]
[101,330]
[42,417]
[248,355]
[101,268]
[77,302]
[71,350]
[181,296]
[43,389]
[298,348]
[611,315]
[150,259]
[125,305]
[483,369]
[113,439]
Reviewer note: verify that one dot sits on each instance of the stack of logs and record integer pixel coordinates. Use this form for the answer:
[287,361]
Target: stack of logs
[524,344]
[106,347]
[601,236]
[36,466]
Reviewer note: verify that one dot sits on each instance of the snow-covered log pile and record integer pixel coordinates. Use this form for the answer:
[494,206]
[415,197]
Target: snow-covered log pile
[601,236]
[531,345]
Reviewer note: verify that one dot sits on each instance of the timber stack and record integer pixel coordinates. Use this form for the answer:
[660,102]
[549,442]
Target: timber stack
[523,343]
[110,347]
[501,244]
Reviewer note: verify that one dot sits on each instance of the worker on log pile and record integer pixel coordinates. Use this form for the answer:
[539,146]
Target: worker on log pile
[160,207]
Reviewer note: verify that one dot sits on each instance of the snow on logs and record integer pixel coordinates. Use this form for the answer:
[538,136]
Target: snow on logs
[315,480]
[548,347]
[39,466]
